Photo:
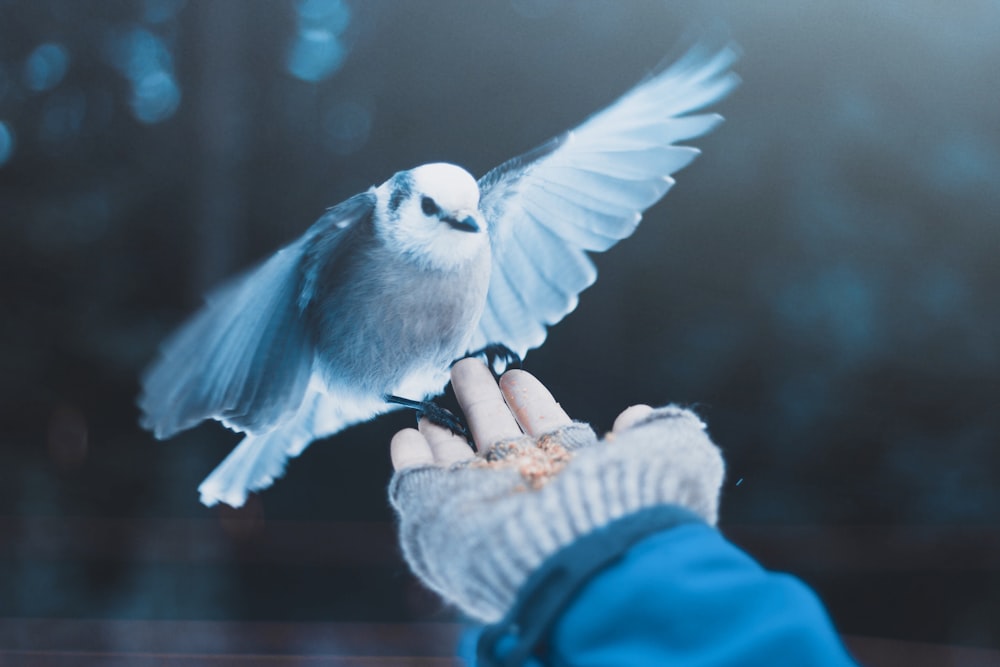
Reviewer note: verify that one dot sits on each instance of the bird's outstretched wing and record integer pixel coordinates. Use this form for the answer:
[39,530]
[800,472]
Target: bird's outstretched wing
[586,190]
[246,357]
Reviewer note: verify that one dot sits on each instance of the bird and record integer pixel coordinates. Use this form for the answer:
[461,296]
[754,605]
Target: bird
[369,308]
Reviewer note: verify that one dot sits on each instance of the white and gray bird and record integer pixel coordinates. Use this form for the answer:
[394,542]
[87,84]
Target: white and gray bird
[378,298]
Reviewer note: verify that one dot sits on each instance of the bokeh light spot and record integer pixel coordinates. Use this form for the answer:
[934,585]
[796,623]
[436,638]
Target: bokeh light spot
[334,15]
[155,97]
[315,55]
[318,50]
[143,58]
[6,143]
[138,52]
[46,67]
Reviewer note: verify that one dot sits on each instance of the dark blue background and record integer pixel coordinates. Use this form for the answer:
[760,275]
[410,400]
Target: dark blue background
[821,284]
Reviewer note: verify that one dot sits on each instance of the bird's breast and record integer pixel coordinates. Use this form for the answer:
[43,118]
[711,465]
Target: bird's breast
[381,328]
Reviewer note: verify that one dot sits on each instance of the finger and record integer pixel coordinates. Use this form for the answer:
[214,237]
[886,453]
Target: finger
[630,416]
[533,406]
[409,448]
[489,418]
[446,447]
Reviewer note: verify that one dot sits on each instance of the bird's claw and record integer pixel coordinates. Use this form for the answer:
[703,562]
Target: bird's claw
[435,414]
[444,417]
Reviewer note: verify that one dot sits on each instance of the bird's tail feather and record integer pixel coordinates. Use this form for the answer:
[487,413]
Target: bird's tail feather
[260,458]
[254,465]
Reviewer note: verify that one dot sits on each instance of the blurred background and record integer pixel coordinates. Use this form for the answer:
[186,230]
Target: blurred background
[821,284]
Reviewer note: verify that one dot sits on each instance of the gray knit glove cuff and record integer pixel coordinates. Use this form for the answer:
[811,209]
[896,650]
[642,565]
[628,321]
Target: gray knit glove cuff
[475,531]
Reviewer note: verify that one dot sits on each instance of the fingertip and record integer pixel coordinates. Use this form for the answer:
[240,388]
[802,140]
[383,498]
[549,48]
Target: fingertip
[408,448]
[516,381]
[514,376]
[532,404]
[631,416]
[469,368]
[517,378]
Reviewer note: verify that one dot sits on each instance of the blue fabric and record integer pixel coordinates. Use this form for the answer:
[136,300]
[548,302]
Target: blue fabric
[686,596]
[552,586]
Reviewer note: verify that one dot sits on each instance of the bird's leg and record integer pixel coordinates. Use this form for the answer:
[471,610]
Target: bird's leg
[495,352]
[435,413]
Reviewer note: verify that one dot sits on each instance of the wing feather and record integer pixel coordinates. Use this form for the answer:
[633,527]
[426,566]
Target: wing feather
[585,191]
[630,165]
[593,230]
[246,357]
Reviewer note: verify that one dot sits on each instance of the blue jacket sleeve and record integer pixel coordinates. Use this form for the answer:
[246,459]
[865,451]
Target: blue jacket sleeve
[681,595]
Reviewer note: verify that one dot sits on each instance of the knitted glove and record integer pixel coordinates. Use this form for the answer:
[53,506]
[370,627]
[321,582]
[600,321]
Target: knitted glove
[475,531]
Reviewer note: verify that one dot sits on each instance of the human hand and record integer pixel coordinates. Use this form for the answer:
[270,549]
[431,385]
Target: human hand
[473,527]
[515,414]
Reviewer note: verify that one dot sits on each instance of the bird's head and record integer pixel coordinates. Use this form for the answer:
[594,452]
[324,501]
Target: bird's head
[431,214]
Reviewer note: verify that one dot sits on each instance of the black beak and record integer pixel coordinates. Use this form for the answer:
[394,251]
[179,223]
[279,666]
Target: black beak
[466,224]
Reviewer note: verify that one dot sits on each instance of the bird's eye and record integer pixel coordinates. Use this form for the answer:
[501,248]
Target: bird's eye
[429,206]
